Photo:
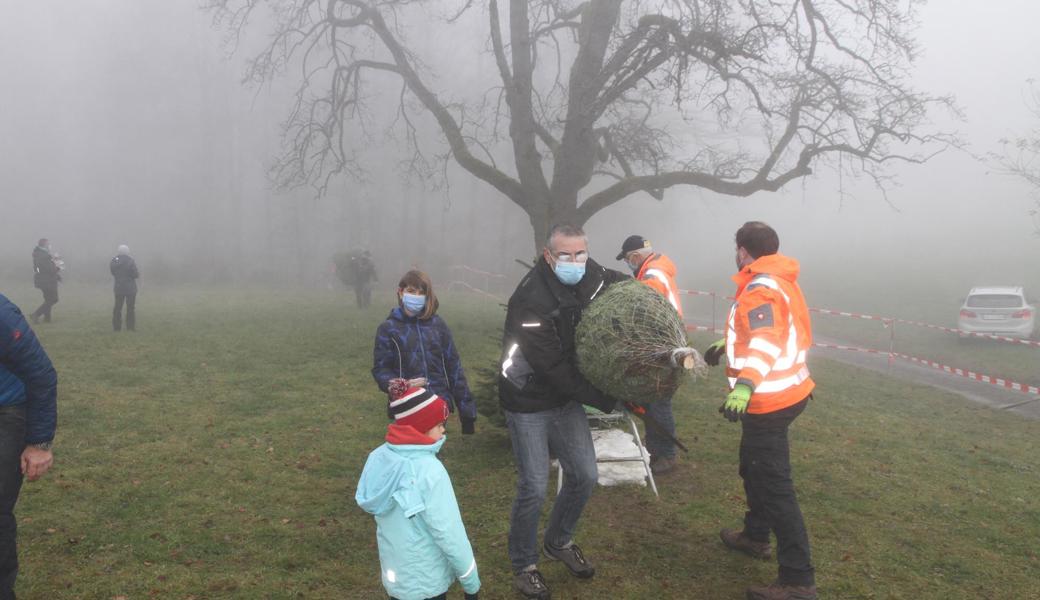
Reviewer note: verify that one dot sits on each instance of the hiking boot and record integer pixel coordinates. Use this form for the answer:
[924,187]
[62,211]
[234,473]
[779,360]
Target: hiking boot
[781,591]
[738,541]
[531,584]
[663,465]
[573,558]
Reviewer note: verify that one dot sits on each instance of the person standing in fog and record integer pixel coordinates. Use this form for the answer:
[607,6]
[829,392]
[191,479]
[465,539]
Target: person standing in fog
[46,275]
[124,270]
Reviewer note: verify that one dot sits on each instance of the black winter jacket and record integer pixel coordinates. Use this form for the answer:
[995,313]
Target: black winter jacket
[124,270]
[45,272]
[539,363]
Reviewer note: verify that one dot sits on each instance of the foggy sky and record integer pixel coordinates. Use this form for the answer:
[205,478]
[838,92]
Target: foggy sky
[125,122]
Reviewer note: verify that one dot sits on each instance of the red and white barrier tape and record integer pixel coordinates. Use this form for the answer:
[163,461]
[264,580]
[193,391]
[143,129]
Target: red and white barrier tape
[477,271]
[886,321]
[473,289]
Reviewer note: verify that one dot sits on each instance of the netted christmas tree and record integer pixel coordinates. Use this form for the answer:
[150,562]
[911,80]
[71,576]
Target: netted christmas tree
[632,344]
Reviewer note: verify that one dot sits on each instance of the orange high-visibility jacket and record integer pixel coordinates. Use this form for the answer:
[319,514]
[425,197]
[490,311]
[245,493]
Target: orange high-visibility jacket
[769,334]
[658,272]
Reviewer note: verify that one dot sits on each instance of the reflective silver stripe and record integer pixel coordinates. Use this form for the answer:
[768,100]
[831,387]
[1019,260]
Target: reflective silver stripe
[659,274]
[596,292]
[472,565]
[732,382]
[786,361]
[757,364]
[779,385]
[535,324]
[508,362]
[801,357]
[731,335]
[763,346]
[766,280]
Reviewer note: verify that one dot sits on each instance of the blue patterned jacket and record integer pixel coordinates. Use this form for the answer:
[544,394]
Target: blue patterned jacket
[408,347]
[27,375]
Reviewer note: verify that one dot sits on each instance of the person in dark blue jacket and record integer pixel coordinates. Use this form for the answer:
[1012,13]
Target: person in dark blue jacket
[28,416]
[415,344]
[124,271]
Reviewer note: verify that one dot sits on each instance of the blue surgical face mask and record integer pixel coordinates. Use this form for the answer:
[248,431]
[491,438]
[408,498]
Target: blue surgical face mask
[413,303]
[569,273]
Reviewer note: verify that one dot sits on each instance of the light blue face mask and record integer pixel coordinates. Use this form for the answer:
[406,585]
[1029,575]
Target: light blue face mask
[569,273]
[413,303]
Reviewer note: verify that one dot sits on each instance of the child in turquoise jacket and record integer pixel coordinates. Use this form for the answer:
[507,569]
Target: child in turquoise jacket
[423,546]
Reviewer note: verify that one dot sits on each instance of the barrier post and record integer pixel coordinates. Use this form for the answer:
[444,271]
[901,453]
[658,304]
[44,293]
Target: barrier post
[891,342]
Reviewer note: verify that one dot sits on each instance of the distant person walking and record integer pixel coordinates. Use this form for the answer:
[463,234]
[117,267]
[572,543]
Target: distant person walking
[28,417]
[46,275]
[364,276]
[124,271]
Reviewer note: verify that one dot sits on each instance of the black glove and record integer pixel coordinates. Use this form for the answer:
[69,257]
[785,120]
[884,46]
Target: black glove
[467,427]
[715,352]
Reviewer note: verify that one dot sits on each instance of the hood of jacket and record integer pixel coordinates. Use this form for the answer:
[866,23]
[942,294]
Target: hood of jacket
[776,265]
[389,474]
[659,262]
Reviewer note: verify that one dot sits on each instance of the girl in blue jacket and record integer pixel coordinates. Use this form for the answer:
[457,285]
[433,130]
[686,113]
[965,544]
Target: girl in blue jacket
[423,546]
[415,344]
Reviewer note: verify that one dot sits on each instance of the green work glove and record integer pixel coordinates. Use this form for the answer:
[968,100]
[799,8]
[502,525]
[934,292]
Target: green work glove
[715,352]
[736,402]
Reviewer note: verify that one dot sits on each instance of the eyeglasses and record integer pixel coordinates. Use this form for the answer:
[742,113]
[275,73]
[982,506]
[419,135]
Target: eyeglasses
[567,257]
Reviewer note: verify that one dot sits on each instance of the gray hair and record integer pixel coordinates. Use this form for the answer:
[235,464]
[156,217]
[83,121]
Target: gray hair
[564,230]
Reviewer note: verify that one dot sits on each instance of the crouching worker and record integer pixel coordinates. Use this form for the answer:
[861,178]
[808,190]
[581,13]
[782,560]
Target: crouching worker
[423,546]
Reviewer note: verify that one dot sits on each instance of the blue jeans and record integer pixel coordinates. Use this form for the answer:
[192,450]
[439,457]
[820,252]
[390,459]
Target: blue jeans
[658,445]
[565,432]
[12,442]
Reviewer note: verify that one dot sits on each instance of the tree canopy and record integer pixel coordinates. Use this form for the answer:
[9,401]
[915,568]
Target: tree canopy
[595,101]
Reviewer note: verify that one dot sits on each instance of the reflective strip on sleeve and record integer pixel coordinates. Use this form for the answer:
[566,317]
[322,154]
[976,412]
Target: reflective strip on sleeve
[779,385]
[472,566]
[508,362]
[757,364]
[767,347]
[535,324]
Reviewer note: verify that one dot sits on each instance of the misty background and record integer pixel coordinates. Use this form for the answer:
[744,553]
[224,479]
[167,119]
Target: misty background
[127,122]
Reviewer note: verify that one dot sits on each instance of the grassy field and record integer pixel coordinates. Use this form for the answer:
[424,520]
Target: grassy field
[214,453]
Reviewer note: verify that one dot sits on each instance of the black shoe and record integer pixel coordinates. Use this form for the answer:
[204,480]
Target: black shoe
[573,558]
[531,584]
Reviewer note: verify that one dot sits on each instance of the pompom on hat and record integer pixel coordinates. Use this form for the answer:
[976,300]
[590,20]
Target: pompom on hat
[416,406]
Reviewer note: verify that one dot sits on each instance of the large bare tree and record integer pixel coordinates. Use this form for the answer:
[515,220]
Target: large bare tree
[595,101]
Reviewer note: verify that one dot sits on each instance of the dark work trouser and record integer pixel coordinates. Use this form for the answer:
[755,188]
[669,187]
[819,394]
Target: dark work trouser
[117,312]
[659,445]
[765,467]
[50,298]
[12,442]
[363,292]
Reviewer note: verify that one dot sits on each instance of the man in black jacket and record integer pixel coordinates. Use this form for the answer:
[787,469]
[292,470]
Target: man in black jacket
[542,392]
[124,271]
[45,277]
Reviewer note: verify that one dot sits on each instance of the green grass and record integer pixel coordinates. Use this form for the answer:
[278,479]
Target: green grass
[214,453]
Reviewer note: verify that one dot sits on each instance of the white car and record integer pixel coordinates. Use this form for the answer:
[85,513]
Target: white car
[998,310]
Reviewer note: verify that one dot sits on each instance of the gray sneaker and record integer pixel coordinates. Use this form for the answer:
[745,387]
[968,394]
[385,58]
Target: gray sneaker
[531,584]
[573,558]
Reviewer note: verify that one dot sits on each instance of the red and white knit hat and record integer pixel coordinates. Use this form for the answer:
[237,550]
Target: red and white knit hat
[418,407]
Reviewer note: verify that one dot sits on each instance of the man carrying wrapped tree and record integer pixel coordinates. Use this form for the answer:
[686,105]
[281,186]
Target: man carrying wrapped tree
[542,392]
[657,271]
[767,338]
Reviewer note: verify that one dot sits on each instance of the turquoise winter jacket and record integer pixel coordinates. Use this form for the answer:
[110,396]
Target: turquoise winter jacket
[423,546]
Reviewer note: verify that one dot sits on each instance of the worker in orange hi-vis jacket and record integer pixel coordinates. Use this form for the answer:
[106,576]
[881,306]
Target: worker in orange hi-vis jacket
[657,271]
[768,336]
